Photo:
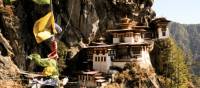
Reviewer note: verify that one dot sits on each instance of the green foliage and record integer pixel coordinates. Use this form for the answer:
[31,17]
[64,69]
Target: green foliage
[62,51]
[187,37]
[169,61]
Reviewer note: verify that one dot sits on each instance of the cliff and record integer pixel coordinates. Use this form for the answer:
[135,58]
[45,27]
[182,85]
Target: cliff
[82,21]
[9,74]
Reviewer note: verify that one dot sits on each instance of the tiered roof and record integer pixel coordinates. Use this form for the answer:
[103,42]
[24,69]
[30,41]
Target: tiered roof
[160,22]
[126,24]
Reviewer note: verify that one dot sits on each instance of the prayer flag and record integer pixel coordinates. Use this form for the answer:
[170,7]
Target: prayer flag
[44,28]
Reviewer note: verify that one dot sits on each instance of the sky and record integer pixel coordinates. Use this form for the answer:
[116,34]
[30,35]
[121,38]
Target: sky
[182,11]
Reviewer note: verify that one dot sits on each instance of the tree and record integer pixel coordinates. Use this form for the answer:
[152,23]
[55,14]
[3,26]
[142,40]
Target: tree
[169,62]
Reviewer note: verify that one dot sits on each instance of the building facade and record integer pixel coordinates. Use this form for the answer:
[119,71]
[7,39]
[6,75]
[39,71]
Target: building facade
[130,43]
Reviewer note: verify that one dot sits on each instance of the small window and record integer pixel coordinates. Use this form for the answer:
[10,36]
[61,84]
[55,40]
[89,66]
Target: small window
[163,33]
[136,38]
[86,77]
[95,58]
[111,57]
[90,78]
[104,58]
[101,59]
[113,52]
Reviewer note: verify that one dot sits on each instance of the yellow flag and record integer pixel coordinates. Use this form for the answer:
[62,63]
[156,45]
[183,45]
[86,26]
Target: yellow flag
[44,28]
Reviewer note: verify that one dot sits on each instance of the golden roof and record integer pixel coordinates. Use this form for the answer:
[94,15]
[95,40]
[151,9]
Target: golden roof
[126,23]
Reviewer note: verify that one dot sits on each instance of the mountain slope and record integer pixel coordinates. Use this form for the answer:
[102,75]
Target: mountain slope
[187,37]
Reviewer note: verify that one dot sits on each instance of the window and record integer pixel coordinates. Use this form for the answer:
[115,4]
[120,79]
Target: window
[137,38]
[109,52]
[163,33]
[136,50]
[95,58]
[121,38]
[85,77]
[105,58]
[102,59]
[112,57]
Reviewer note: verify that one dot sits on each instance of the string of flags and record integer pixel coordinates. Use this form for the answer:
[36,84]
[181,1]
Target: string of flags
[45,28]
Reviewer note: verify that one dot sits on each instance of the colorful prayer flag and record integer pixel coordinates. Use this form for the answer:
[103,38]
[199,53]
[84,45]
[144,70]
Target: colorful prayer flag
[44,28]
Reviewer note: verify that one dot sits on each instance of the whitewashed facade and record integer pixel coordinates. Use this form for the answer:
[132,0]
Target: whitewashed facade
[101,62]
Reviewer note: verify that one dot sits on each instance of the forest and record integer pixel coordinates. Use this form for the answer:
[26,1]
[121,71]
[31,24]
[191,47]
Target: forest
[187,37]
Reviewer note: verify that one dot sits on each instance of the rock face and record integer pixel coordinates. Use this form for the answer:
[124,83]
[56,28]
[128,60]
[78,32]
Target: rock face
[9,77]
[86,18]
[81,21]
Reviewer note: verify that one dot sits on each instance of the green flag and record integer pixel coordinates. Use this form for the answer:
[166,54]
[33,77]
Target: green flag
[42,1]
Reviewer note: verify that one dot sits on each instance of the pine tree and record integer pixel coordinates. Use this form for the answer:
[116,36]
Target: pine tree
[170,63]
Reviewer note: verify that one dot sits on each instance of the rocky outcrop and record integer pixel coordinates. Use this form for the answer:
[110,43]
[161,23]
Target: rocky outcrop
[11,29]
[133,76]
[9,74]
[82,21]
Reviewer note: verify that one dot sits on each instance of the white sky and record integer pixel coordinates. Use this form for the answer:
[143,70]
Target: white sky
[182,11]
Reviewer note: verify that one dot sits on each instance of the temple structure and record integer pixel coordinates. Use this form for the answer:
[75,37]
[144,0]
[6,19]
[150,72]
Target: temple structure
[130,43]
[161,25]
